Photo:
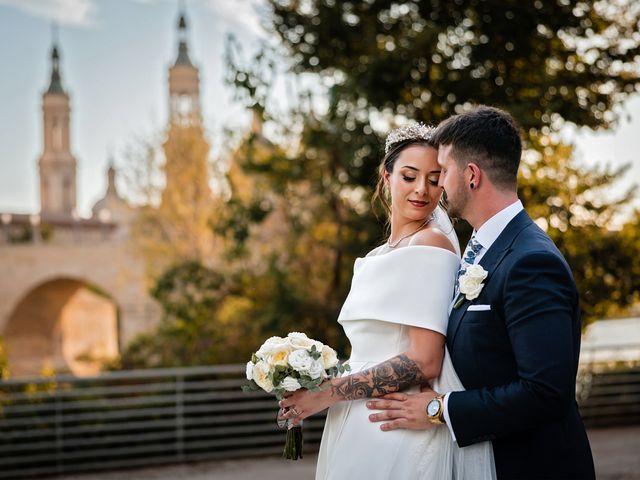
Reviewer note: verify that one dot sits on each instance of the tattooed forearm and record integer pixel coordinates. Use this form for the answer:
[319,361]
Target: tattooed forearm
[395,374]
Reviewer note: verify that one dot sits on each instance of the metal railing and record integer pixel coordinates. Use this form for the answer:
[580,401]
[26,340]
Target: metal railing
[66,424]
[608,385]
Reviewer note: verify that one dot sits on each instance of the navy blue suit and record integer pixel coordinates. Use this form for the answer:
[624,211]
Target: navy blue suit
[518,361]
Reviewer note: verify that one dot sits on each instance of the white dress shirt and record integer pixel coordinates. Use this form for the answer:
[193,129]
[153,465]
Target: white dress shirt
[486,236]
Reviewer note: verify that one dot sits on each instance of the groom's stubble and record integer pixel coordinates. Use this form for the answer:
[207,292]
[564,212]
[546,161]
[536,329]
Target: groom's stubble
[458,200]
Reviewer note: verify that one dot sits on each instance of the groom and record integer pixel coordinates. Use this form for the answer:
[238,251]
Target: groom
[515,346]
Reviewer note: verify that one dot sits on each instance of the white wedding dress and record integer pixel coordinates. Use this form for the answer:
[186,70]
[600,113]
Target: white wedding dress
[409,286]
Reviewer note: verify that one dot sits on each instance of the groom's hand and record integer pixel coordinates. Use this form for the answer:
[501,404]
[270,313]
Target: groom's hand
[402,411]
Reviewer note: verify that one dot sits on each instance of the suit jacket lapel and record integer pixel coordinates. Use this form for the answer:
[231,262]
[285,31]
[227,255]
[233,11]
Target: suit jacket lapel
[489,261]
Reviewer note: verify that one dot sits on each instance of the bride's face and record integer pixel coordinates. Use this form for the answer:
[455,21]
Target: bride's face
[413,183]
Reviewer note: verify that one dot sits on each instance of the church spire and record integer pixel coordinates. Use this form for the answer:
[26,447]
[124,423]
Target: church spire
[55,85]
[183,54]
[111,178]
[184,82]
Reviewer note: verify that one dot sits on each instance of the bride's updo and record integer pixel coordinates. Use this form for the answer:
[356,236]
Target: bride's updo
[397,141]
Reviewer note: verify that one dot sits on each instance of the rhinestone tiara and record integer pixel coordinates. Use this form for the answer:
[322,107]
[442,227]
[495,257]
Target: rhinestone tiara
[412,131]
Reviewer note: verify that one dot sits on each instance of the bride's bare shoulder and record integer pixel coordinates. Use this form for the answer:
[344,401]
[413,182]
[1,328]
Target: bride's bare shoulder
[375,251]
[433,237]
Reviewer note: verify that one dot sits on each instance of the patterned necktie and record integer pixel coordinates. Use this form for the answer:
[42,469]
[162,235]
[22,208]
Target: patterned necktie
[471,252]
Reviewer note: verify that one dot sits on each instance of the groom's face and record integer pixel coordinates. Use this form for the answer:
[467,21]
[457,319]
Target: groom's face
[452,181]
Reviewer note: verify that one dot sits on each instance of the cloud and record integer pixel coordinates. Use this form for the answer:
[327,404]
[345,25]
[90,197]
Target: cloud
[64,12]
[242,14]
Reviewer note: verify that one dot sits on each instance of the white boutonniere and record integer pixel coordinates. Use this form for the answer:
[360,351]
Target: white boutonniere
[470,284]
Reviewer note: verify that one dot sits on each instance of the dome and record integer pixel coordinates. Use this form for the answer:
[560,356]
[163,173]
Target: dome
[111,207]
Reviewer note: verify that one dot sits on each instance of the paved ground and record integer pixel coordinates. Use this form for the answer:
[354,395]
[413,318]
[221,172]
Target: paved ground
[616,452]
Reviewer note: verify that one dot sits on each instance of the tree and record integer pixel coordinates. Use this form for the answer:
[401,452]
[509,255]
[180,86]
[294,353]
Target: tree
[173,221]
[573,204]
[543,61]
[205,321]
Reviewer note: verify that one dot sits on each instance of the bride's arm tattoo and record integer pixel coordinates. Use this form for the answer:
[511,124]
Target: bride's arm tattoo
[395,374]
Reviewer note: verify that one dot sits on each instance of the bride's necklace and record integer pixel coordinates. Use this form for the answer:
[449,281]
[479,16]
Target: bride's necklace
[395,244]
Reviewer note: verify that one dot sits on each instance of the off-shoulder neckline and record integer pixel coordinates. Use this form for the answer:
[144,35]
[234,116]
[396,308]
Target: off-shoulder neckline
[395,251]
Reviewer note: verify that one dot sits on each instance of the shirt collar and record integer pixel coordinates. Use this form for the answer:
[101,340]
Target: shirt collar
[492,228]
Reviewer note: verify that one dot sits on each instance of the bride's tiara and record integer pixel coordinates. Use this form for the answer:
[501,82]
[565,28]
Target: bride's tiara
[413,131]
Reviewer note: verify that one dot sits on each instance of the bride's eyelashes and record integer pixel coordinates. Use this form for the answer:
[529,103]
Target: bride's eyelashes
[432,181]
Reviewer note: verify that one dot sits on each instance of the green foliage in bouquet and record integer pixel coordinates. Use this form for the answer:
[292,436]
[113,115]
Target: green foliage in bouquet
[279,372]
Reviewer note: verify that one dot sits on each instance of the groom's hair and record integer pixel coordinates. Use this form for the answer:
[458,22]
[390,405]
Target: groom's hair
[488,137]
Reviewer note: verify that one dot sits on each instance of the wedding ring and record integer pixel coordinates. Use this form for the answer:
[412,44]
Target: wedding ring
[294,411]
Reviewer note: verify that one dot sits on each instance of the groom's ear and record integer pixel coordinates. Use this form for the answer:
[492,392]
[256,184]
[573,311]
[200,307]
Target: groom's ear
[474,175]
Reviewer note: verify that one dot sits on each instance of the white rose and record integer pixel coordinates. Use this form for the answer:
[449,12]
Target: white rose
[261,376]
[290,384]
[476,272]
[470,287]
[329,357]
[300,340]
[249,370]
[316,370]
[272,346]
[278,355]
[300,360]
[273,340]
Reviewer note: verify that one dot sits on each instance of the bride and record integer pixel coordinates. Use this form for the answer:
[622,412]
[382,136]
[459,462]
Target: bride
[395,317]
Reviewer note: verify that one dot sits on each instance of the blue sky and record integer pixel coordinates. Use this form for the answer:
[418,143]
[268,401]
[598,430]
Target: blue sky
[114,60]
[115,55]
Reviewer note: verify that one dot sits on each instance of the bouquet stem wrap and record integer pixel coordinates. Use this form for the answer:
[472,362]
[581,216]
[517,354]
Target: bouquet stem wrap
[293,444]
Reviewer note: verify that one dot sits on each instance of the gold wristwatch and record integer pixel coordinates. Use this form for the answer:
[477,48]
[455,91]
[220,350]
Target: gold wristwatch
[435,410]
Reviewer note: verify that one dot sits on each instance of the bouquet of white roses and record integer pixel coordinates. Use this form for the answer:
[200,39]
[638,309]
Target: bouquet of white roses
[288,364]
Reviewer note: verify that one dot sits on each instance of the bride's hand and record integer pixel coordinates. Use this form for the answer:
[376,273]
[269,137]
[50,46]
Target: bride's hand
[303,403]
[402,411]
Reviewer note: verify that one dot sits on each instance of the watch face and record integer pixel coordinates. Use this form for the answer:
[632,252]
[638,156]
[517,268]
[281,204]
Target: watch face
[433,407]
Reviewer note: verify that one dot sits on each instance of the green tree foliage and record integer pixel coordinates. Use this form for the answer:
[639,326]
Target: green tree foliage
[574,205]
[197,328]
[542,60]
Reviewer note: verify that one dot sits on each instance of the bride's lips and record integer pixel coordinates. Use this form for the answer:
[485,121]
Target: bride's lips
[418,203]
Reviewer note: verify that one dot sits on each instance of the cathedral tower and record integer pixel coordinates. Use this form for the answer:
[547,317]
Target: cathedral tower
[57,165]
[186,203]
[184,84]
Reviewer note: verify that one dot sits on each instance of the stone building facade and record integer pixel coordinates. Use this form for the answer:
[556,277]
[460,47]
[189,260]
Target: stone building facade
[73,291]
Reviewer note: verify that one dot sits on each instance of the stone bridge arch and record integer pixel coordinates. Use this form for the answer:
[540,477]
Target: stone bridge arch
[63,324]
[42,289]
